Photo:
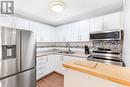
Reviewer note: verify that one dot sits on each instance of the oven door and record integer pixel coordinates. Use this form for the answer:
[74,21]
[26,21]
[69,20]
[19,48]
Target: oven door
[101,60]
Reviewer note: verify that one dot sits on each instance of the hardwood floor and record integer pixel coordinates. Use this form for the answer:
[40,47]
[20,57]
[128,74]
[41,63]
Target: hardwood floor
[52,80]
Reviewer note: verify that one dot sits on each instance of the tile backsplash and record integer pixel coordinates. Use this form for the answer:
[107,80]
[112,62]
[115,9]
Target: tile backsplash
[63,44]
[115,46]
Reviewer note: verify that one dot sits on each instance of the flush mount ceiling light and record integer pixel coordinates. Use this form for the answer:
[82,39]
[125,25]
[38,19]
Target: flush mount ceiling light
[57,6]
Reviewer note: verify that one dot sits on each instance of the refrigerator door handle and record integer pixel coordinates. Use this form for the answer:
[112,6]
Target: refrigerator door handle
[18,47]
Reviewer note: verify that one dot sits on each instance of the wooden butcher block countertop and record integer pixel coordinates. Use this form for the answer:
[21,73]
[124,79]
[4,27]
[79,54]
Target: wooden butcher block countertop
[106,71]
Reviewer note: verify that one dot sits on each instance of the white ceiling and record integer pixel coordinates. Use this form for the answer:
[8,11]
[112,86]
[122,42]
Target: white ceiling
[38,10]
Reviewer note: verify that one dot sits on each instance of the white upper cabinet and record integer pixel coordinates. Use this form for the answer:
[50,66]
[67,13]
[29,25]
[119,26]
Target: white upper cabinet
[37,29]
[66,32]
[43,32]
[49,34]
[80,31]
[75,31]
[59,37]
[84,30]
[106,22]
[112,21]
[63,33]
[96,24]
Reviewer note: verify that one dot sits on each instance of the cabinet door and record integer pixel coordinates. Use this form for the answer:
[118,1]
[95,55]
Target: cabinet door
[66,32]
[59,34]
[42,66]
[84,30]
[48,34]
[112,21]
[58,63]
[39,31]
[45,65]
[44,33]
[75,31]
[51,60]
[96,24]
[60,59]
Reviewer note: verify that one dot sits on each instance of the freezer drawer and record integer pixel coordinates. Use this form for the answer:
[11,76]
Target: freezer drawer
[10,82]
[25,79]
[28,48]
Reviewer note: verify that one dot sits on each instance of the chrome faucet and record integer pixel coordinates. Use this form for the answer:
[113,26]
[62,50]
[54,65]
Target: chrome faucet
[67,45]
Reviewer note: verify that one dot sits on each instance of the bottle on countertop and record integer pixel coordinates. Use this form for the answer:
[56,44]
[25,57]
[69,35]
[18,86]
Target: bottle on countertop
[86,49]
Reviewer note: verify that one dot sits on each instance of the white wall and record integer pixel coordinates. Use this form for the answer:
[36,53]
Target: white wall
[126,19]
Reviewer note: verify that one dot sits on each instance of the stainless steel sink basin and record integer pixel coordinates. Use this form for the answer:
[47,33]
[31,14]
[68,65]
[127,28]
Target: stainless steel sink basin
[67,52]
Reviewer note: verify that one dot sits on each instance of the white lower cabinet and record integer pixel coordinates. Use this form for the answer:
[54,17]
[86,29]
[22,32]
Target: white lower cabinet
[74,78]
[45,65]
[42,64]
[59,60]
[50,63]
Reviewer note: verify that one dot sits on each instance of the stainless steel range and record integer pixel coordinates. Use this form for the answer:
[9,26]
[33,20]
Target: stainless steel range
[17,58]
[104,54]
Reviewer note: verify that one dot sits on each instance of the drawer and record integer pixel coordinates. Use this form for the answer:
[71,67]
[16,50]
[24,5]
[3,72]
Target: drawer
[41,63]
[41,59]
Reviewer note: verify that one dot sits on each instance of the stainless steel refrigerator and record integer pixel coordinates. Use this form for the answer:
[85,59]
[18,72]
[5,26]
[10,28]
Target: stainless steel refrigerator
[17,58]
